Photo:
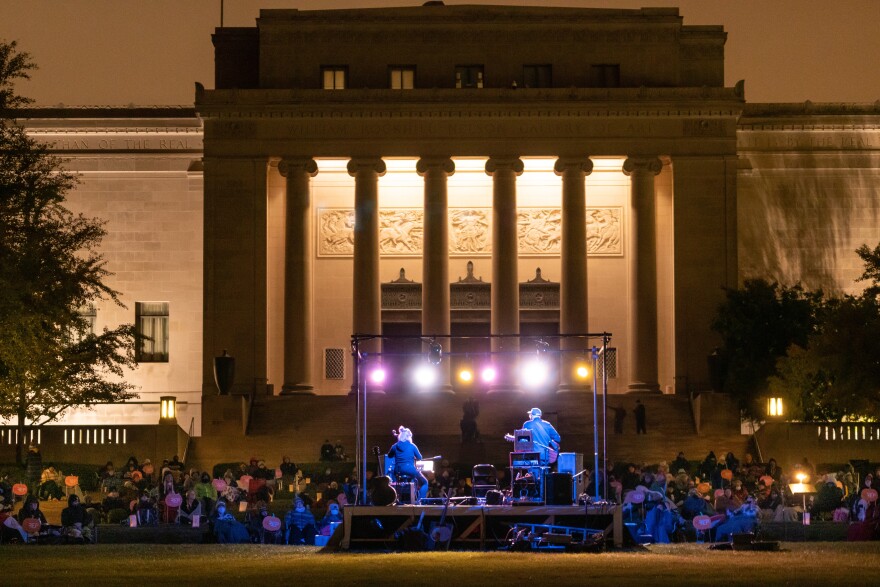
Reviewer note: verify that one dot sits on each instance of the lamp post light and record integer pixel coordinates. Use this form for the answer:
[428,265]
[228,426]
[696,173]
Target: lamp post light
[167,409]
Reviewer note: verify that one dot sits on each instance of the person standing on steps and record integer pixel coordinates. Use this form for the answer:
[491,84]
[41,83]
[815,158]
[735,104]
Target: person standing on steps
[640,417]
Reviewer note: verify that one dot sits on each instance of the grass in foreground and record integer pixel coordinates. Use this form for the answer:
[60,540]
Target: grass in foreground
[798,564]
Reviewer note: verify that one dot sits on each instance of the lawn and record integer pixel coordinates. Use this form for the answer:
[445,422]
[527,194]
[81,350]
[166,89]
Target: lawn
[798,564]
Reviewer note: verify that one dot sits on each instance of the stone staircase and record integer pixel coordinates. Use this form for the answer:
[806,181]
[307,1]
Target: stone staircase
[297,426]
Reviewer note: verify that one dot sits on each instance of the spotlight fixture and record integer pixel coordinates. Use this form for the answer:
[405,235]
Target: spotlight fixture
[435,355]
[488,374]
[542,347]
[466,375]
[582,371]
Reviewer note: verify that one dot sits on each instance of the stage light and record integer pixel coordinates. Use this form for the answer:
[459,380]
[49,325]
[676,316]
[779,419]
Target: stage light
[466,375]
[377,375]
[801,477]
[425,376]
[488,374]
[535,373]
[435,355]
[582,371]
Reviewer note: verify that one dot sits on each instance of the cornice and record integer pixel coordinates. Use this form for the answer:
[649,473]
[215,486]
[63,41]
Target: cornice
[451,103]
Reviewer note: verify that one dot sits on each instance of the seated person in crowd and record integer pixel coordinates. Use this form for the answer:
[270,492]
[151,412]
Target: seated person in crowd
[680,462]
[51,483]
[288,467]
[174,464]
[110,481]
[146,510]
[828,497]
[31,509]
[258,533]
[228,530]
[10,529]
[189,509]
[333,515]
[300,524]
[741,521]
[695,505]
[76,522]
[206,492]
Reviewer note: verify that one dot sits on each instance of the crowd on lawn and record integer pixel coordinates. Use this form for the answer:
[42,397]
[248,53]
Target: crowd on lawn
[722,496]
[672,501]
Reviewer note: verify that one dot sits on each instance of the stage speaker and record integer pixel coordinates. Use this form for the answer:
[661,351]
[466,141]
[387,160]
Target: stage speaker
[557,489]
[572,463]
[494,497]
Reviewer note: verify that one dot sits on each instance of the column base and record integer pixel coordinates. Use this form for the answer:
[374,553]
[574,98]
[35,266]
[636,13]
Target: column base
[573,388]
[445,388]
[297,389]
[639,387]
[371,390]
[502,389]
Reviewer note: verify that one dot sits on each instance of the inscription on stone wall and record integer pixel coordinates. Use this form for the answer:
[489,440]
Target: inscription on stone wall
[120,143]
[400,232]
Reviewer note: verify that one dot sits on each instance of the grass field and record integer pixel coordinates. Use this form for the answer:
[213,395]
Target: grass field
[244,566]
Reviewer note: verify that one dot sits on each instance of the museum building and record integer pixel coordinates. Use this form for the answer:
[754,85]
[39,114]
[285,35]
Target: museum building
[436,172]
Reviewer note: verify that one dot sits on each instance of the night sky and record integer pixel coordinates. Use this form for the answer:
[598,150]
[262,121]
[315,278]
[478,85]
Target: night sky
[118,52]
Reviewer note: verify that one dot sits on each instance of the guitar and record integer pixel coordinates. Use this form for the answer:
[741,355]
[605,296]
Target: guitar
[552,453]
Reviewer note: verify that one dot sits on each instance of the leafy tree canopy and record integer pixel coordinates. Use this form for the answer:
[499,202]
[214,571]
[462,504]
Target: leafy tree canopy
[50,270]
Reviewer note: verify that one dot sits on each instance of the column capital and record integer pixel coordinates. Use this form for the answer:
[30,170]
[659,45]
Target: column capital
[576,164]
[651,165]
[445,164]
[373,164]
[513,163]
[290,165]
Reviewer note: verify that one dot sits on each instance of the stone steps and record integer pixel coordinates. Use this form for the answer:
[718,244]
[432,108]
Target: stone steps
[297,425]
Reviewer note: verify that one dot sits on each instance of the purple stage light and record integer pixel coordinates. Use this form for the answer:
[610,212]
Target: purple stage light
[377,375]
[488,374]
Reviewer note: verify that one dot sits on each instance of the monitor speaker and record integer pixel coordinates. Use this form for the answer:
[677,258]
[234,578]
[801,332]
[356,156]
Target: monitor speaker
[558,489]
[494,497]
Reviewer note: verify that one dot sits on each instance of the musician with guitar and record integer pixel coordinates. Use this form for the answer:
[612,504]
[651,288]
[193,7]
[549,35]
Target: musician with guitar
[544,436]
[405,454]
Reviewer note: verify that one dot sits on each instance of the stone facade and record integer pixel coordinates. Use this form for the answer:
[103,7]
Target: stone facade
[637,202]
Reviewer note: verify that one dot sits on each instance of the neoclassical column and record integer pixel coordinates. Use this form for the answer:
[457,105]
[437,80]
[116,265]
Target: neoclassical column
[505,281]
[435,255]
[573,311]
[298,343]
[643,274]
[366,301]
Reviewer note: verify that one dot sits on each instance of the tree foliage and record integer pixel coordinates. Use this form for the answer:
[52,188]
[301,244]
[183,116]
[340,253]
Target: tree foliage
[822,355]
[758,323]
[50,269]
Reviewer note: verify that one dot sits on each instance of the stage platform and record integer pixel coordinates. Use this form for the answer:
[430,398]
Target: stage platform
[473,527]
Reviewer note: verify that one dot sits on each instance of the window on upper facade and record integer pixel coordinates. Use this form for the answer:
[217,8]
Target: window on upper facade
[468,76]
[537,76]
[605,75]
[151,322]
[402,77]
[334,77]
[89,316]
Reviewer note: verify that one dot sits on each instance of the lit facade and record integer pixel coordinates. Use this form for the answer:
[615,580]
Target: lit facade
[619,165]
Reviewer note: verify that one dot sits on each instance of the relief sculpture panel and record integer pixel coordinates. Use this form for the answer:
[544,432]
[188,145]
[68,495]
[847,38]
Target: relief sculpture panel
[470,232]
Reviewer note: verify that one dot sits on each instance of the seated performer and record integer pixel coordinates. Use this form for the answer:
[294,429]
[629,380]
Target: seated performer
[405,455]
[544,435]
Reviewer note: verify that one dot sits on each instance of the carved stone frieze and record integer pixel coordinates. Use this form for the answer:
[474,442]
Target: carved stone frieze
[470,231]
[400,232]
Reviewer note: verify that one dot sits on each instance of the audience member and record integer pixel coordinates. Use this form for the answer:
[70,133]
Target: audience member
[300,524]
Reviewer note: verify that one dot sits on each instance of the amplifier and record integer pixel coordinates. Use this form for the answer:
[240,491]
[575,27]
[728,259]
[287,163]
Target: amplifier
[524,460]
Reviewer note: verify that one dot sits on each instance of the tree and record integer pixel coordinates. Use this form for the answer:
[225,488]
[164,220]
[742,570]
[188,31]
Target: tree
[50,269]
[837,374]
[758,324]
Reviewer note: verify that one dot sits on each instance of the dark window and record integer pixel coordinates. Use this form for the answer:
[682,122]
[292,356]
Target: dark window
[151,321]
[334,77]
[468,76]
[402,77]
[604,75]
[537,76]
[89,315]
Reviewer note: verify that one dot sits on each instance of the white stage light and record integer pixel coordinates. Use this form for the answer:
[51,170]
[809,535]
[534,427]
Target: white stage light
[535,373]
[425,376]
